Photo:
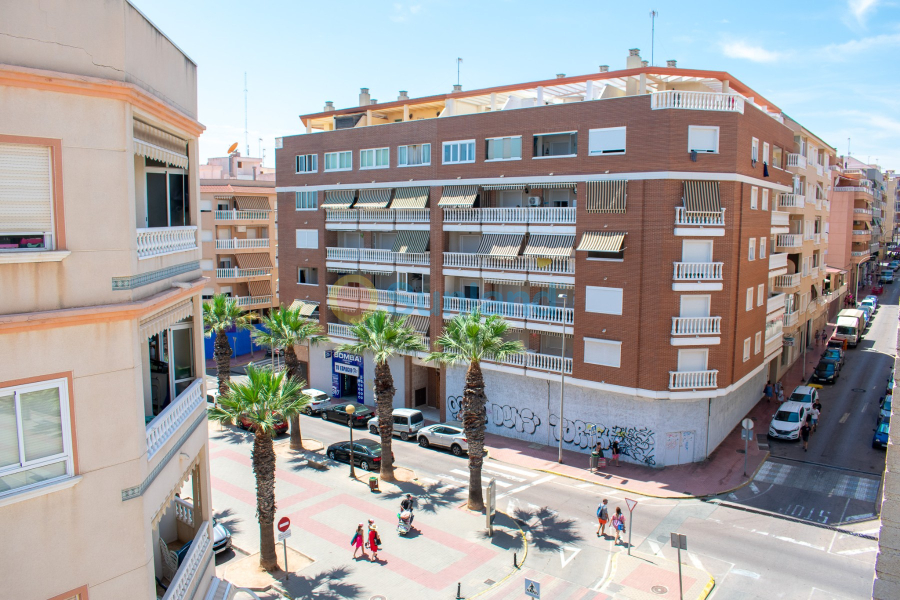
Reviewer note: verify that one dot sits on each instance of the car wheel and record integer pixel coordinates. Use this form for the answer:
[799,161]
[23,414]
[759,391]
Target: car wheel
[456,449]
[364,465]
[404,436]
[373,430]
[423,441]
[324,416]
[308,411]
[331,454]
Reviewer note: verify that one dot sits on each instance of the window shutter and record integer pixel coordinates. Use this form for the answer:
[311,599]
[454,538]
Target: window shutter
[26,196]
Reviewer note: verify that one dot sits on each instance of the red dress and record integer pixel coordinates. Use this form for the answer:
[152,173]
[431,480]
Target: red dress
[373,539]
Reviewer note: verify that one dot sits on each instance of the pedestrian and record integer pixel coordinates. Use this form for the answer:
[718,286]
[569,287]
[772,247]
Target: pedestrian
[804,434]
[602,518]
[769,391]
[618,524]
[779,391]
[615,451]
[814,416]
[359,538]
[374,540]
[818,335]
[818,406]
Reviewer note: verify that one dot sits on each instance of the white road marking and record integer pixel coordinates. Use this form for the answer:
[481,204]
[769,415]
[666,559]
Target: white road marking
[563,559]
[857,551]
[525,487]
[585,485]
[753,488]
[732,496]
[655,548]
[609,555]
[750,574]
[466,474]
[844,418]
[453,479]
[869,531]
[428,480]
[495,465]
[695,561]
[502,474]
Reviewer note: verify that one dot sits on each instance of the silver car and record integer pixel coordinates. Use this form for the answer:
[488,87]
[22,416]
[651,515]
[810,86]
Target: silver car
[445,435]
[318,401]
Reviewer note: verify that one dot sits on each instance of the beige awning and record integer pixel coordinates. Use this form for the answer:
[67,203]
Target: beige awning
[341,270]
[504,186]
[410,197]
[568,185]
[549,245]
[374,271]
[411,242]
[339,198]
[260,288]
[702,196]
[458,196]
[252,203]
[255,260]
[601,241]
[606,196]
[156,144]
[374,198]
[501,244]
[554,284]
[165,318]
[419,323]
[306,308]
[501,281]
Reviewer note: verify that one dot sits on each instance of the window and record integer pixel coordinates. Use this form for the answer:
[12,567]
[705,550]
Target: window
[308,276]
[548,145]
[760,294]
[752,254]
[702,138]
[308,163]
[506,148]
[168,200]
[749,298]
[603,300]
[777,157]
[34,427]
[610,140]
[414,155]
[757,342]
[339,161]
[696,251]
[754,149]
[308,238]
[611,256]
[765,199]
[375,158]
[307,200]
[754,194]
[607,353]
[746,349]
[765,155]
[459,152]
[762,248]
[693,359]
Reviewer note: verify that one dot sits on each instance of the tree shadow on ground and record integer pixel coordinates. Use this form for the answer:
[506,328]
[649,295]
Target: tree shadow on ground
[229,519]
[327,585]
[549,531]
[507,535]
[430,497]
[231,434]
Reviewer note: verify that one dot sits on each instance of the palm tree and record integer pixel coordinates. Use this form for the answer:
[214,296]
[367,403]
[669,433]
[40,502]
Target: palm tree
[467,338]
[219,316]
[284,328]
[384,336]
[263,400]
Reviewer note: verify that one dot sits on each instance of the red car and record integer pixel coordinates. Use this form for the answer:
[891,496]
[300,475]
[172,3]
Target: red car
[280,426]
[878,290]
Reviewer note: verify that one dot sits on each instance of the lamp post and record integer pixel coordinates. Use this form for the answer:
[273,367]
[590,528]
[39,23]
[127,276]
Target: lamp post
[858,265]
[562,378]
[350,410]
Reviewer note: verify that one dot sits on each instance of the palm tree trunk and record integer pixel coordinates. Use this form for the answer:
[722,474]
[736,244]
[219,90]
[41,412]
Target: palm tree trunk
[222,354]
[263,458]
[384,403]
[473,410]
[292,365]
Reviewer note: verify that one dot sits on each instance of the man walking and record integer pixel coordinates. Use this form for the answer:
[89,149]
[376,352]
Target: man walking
[602,517]
[804,434]
[814,416]
[769,391]
[818,337]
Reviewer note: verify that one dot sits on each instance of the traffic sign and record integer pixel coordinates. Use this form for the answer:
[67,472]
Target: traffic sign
[631,504]
[284,524]
[532,589]
[679,540]
[746,434]
[284,535]
[747,423]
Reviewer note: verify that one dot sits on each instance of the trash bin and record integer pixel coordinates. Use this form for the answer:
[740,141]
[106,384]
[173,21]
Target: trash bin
[373,484]
[595,459]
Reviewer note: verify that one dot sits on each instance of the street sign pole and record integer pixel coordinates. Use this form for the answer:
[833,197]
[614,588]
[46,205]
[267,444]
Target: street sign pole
[680,589]
[747,425]
[491,505]
[286,572]
[284,526]
[631,504]
[679,541]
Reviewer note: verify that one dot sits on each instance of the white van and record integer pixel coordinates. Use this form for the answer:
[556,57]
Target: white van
[407,423]
[847,329]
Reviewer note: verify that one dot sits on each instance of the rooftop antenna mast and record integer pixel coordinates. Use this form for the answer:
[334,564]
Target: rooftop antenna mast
[458,62]
[653,15]
[246,138]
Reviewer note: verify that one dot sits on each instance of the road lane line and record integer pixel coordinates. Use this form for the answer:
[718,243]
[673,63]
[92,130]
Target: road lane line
[844,418]
[506,475]
[466,474]
[749,574]
[695,561]
[857,551]
[525,487]
[495,465]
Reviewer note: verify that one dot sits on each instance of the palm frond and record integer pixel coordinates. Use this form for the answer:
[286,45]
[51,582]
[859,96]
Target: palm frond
[384,336]
[264,399]
[468,338]
[222,313]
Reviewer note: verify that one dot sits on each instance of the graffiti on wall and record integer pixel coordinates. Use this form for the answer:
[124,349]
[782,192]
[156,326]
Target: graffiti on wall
[522,420]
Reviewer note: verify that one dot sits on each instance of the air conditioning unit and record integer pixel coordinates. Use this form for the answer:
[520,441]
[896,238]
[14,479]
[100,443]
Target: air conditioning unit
[534,201]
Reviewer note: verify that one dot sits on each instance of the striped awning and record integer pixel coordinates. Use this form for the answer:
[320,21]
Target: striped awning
[504,186]
[165,318]
[410,197]
[411,242]
[341,270]
[606,196]
[339,198]
[546,284]
[549,245]
[156,144]
[372,271]
[260,288]
[501,281]
[419,323]
[702,196]
[255,260]
[306,307]
[374,198]
[501,244]
[569,185]
[601,241]
[252,203]
[458,196]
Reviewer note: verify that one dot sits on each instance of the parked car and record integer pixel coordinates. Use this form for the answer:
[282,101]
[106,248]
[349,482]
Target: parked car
[868,309]
[873,299]
[835,354]
[827,371]
[366,453]
[885,412]
[407,422]
[880,439]
[318,401]
[878,290]
[221,537]
[869,304]
[786,422]
[338,412]
[804,394]
[894,264]
[445,435]
[886,277]
[281,425]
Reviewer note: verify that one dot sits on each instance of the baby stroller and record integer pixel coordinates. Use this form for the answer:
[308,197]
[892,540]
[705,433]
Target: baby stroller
[404,522]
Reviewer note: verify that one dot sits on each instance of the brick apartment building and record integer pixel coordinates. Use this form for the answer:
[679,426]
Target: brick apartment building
[624,222]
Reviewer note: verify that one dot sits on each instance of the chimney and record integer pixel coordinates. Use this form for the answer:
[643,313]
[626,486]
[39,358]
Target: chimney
[560,75]
[364,98]
[672,64]
[403,95]
[373,101]
[645,63]
[604,68]
[634,59]
[457,88]
[329,105]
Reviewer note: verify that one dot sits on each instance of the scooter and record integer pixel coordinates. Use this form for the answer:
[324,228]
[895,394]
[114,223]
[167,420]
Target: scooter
[404,522]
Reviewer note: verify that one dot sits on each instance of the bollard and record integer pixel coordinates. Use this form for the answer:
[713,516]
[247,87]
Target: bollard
[458,590]
[515,563]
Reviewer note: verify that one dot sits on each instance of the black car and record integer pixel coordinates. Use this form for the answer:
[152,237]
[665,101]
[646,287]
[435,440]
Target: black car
[835,354]
[827,370]
[338,412]
[366,453]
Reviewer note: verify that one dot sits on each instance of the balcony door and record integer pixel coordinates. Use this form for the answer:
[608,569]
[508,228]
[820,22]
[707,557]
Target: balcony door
[168,202]
[510,199]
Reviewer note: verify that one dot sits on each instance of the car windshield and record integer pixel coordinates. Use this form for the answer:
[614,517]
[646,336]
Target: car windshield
[373,447]
[887,404]
[787,416]
[884,428]
[825,366]
[844,330]
[416,418]
[833,352]
[797,397]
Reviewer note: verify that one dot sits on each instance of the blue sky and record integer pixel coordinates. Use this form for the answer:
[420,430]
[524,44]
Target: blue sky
[831,65]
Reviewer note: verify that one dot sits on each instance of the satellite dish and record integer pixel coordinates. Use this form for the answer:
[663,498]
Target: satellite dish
[232,147]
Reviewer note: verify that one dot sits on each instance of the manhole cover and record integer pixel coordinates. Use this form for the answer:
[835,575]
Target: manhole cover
[859,389]
[659,589]
[489,582]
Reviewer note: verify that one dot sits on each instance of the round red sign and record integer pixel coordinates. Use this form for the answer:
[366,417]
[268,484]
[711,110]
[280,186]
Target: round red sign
[284,524]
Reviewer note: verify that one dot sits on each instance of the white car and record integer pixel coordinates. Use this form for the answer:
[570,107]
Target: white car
[445,435]
[787,421]
[804,394]
[318,400]
[407,422]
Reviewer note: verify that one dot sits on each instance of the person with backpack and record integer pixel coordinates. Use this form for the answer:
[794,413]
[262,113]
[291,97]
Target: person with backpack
[602,517]
[804,434]
[358,540]
[618,524]
[374,540]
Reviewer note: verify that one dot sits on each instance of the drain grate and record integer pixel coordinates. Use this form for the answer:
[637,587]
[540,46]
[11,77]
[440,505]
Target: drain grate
[659,589]
[489,582]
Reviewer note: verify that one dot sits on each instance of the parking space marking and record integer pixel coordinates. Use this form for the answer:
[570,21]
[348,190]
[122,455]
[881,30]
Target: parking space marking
[844,418]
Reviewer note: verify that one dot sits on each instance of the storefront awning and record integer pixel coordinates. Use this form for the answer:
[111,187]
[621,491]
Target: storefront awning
[165,318]
[256,260]
[549,245]
[374,198]
[260,288]
[606,196]
[411,242]
[702,196]
[458,196]
[501,244]
[156,144]
[306,307]
[339,198]
[252,203]
[410,197]
[601,241]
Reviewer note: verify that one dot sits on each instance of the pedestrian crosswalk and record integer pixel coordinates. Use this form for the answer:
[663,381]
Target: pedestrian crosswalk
[508,479]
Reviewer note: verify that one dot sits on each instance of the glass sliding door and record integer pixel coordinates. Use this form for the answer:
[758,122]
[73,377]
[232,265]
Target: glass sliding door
[168,202]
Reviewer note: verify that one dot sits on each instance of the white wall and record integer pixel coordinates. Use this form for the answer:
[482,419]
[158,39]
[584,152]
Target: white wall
[320,374]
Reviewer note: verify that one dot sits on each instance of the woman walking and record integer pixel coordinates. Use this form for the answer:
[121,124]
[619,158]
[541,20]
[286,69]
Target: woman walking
[618,523]
[374,540]
[359,538]
[614,448]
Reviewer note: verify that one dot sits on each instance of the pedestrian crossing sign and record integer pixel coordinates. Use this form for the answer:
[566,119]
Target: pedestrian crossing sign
[532,589]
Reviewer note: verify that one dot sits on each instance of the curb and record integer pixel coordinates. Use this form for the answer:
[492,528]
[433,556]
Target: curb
[704,593]
[709,587]
[516,569]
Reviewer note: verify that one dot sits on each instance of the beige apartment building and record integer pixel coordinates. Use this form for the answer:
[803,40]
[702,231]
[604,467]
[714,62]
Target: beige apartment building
[238,220]
[104,478]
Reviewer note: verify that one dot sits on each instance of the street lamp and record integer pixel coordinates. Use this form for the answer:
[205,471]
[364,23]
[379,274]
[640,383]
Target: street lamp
[858,265]
[350,410]
[562,379]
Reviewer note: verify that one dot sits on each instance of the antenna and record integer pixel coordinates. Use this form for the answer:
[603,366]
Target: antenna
[653,15]
[260,146]
[246,139]
[458,62]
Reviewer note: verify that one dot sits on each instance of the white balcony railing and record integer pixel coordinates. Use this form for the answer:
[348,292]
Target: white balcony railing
[796,160]
[711,271]
[692,380]
[375,255]
[252,300]
[862,233]
[184,511]
[557,265]
[342,254]
[184,579]
[341,330]
[410,258]
[790,201]
[167,423]
[242,215]
[513,310]
[378,215]
[859,253]
[413,299]
[537,215]
[817,238]
[862,211]
[159,241]
[853,188]
[690,218]
[789,240]
[791,319]
[235,273]
[696,325]
[778,260]
[715,101]
[775,302]
[783,282]
[242,244]
[780,219]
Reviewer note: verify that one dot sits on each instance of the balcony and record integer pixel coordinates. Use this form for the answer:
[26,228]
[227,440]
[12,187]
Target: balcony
[512,310]
[186,583]
[341,330]
[373,255]
[775,302]
[386,219]
[789,240]
[160,241]
[862,235]
[854,188]
[710,271]
[164,426]
[714,101]
[781,219]
[796,160]
[790,319]
[692,380]
[696,325]
[383,297]
[790,201]
[521,264]
[690,218]
[235,273]
[786,282]
[502,216]
[774,343]
[242,244]
[778,260]
[251,301]
[860,253]
[541,362]
[242,215]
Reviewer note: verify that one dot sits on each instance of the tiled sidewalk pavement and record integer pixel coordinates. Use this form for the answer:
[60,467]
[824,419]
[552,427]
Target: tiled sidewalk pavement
[644,576]
[449,547]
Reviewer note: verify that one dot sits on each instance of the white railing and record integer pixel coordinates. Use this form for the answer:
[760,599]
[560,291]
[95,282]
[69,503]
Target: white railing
[383,296]
[858,253]
[778,260]
[184,511]
[789,240]
[557,214]
[342,292]
[862,232]
[787,281]
[412,215]
[183,580]
[242,244]
[796,160]
[167,423]
[375,255]
[697,218]
[817,238]
[340,330]
[780,219]
[234,273]
[376,215]
[159,241]
[411,258]
[814,272]
[775,302]
[341,215]
[790,201]
[465,260]
[342,254]
[853,188]
[513,310]
[711,271]
[820,169]
[691,380]
[413,299]
[547,362]
[400,298]
[791,319]
[379,215]
[242,215]
[462,259]
[696,325]
[252,300]
[697,101]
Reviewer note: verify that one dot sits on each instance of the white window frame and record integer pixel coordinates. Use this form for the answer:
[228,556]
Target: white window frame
[605,132]
[307,239]
[487,145]
[749,306]
[754,197]
[762,248]
[337,156]
[752,250]
[603,300]
[754,149]
[765,199]
[760,294]
[537,135]
[310,269]
[61,384]
[311,163]
[375,154]
[470,144]
[306,195]
[746,349]
[692,128]
[611,343]
[403,151]
[765,154]
[757,343]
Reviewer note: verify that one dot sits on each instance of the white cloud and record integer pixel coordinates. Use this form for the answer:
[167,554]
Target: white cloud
[860,9]
[854,47]
[741,49]
[402,12]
